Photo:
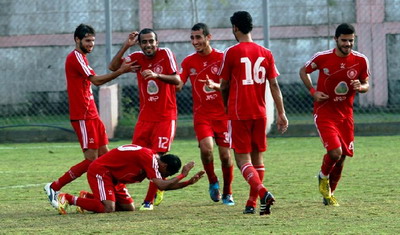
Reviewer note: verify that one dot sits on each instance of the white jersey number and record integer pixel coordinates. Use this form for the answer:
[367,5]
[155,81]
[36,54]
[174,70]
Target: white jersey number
[129,148]
[253,74]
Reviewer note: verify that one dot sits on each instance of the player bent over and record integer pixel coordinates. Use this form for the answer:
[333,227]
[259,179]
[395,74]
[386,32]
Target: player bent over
[342,73]
[126,164]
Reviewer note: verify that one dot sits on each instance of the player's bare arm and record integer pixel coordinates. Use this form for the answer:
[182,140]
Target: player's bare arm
[171,79]
[116,62]
[317,95]
[174,183]
[225,92]
[282,122]
[126,67]
[211,84]
[360,86]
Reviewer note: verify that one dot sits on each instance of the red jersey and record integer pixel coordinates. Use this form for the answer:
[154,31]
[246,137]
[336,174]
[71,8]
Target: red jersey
[157,98]
[130,163]
[245,66]
[207,103]
[80,97]
[335,74]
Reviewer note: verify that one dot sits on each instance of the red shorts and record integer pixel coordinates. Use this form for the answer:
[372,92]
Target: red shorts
[247,136]
[103,188]
[157,136]
[91,133]
[214,128]
[336,133]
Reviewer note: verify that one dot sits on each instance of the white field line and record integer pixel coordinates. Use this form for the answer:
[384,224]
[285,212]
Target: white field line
[22,186]
[40,147]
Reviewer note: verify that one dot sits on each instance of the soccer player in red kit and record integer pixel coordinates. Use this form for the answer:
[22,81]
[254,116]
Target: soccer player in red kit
[157,80]
[342,73]
[209,120]
[245,68]
[84,116]
[124,165]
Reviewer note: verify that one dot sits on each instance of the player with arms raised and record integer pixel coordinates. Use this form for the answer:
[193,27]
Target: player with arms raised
[157,79]
[342,73]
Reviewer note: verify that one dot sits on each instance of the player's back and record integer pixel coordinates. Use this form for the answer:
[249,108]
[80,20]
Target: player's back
[247,65]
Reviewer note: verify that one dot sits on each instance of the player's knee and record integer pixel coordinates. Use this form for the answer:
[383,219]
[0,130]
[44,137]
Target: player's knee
[109,207]
[335,154]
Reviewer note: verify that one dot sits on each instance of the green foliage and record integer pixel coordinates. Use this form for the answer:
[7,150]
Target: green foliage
[367,193]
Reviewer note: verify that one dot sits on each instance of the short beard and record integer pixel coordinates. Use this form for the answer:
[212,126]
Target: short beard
[83,49]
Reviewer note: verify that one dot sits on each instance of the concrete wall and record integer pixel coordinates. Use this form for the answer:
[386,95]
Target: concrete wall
[36,35]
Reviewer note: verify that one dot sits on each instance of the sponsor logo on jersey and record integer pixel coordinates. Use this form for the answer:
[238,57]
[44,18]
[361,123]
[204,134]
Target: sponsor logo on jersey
[152,87]
[341,88]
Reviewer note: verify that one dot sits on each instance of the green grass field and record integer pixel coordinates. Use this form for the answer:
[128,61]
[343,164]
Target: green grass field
[368,193]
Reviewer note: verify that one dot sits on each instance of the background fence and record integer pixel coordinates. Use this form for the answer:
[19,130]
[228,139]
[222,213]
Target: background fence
[36,36]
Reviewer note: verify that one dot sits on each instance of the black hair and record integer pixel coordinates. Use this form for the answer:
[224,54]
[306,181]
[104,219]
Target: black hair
[344,28]
[146,31]
[173,163]
[82,30]
[202,26]
[243,21]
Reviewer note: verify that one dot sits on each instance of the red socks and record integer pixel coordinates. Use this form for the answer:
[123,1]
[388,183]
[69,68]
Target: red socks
[209,168]
[227,173]
[253,194]
[73,173]
[88,204]
[327,165]
[251,176]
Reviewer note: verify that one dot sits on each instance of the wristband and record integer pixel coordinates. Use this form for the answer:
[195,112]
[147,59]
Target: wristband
[180,177]
[312,91]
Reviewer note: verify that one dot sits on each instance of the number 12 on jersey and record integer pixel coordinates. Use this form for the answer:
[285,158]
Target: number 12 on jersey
[253,74]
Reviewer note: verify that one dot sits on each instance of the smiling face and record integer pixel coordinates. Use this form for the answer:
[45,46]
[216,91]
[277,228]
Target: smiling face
[148,44]
[344,44]
[200,42]
[86,44]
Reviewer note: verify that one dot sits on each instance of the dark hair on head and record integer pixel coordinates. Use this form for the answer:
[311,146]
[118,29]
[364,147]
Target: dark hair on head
[146,31]
[202,26]
[344,28]
[82,30]
[243,21]
[173,163]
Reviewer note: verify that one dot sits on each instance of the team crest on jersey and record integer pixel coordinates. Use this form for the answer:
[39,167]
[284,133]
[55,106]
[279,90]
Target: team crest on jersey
[214,69]
[158,69]
[326,71]
[193,71]
[341,88]
[152,87]
[352,73]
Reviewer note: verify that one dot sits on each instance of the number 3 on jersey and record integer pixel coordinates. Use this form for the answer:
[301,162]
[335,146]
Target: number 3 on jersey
[253,74]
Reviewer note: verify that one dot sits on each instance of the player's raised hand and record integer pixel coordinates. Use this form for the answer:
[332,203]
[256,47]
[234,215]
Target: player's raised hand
[127,67]
[132,39]
[186,168]
[196,177]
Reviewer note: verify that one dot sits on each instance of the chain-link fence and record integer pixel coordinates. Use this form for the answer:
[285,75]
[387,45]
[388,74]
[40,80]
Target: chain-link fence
[36,36]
